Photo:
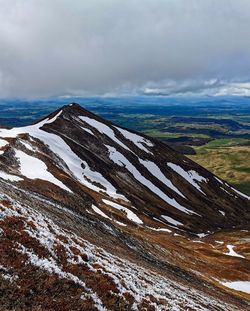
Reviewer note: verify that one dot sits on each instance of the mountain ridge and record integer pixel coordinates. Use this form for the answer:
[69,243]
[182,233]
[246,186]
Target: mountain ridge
[132,189]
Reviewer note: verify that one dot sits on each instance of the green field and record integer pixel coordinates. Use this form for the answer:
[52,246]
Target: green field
[227,154]
[228,159]
[217,129]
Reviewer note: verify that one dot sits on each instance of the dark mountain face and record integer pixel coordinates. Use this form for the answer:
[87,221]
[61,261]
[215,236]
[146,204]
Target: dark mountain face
[84,199]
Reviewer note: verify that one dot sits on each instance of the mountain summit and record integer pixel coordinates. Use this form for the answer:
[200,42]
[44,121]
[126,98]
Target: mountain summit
[115,219]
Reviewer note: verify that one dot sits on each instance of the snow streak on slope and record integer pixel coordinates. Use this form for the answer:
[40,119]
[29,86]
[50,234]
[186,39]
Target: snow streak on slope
[103,129]
[238,192]
[97,178]
[155,171]
[231,251]
[120,159]
[78,257]
[74,163]
[171,220]
[130,215]
[87,130]
[241,194]
[191,176]
[242,286]
[139,141]
[99,212]
[9,177]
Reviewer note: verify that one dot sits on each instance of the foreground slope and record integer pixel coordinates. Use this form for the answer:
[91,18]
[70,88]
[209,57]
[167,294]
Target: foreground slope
[116,219]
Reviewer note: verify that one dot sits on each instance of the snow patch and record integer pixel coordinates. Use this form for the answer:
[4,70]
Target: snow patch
[201,235]
[34,168]
[138,140]
[87,130]
[63,151]
[3,143]
[219,242]
[48,121]
[231,252]
[9,177]
[121,160]
[99,212]
[103,129]
[240,193]
[220,181]
[27,146]
[171,220]
[156,172]
[191,176]
[130,215]
[159,229]
[241,286]
[128,277]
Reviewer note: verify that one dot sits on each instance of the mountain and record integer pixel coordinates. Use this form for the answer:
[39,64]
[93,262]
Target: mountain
[97,217]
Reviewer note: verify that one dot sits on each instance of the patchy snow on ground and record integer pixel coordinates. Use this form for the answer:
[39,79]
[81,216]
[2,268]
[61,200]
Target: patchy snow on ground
[240,193]
[34,168]
[14,132]
[87,130]
[103,129]
[220,181]
[191,176]
[3,143]
[129,278]
[202,235]
[159,229]
[63,151]
[171,220]
[93,178]
[130,215]
[138,140]
[222,213]
[156,172]
[99,212]
[121,160]
[242,286]
[27,145]
[9,177]
[231,251]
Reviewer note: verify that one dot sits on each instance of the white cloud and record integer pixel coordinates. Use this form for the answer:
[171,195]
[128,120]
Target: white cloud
[211,87]
[93,47]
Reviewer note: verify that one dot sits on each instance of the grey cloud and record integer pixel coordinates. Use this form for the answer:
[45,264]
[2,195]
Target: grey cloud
[62,47]
[197,87]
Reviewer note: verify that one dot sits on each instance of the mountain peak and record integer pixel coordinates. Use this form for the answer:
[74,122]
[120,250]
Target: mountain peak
[73,106]
[82,198]
[67,111]
[113,163]
[74,110]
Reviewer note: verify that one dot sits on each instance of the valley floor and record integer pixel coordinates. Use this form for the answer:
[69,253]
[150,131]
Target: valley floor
[230,163]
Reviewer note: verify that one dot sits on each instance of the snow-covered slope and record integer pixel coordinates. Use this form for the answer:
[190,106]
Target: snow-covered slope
[77,151]
[148,206]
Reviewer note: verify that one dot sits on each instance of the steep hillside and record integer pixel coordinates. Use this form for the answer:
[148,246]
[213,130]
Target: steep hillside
[116,220]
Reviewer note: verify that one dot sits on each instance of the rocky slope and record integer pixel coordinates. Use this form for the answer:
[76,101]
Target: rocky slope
[96,217]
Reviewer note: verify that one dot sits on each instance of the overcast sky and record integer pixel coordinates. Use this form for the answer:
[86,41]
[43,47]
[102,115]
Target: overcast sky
[85,47]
